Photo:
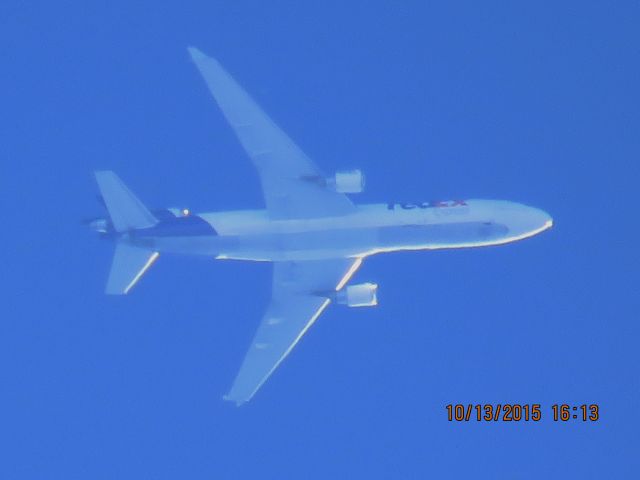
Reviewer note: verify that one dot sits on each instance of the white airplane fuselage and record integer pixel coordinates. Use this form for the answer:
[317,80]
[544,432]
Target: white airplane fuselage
[373,228]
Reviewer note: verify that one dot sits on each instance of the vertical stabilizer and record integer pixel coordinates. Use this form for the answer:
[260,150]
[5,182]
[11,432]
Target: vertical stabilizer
[126,211]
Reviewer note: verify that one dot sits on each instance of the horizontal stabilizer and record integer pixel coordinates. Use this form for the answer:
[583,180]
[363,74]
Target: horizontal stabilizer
[125,210]
[129,264]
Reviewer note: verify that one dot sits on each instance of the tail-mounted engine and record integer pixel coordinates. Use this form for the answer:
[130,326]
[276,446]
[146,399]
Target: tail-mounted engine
[360,295]
[347,182]
[351,181]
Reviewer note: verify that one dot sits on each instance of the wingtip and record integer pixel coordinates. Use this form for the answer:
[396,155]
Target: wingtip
[228,398]
[196,54]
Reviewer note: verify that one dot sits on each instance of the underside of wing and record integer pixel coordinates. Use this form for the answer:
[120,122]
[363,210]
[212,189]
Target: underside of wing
[129,265]
[292,184]
[301,292]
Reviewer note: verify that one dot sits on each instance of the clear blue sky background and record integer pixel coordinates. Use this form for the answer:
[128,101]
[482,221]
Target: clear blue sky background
[530,101]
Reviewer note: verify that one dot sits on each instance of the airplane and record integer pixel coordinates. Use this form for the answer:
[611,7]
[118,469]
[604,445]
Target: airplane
[310,230]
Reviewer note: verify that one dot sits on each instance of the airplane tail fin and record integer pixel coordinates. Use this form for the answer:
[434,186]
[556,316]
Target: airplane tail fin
[127,212]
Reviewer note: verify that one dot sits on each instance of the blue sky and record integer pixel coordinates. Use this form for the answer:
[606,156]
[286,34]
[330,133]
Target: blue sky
[535,102]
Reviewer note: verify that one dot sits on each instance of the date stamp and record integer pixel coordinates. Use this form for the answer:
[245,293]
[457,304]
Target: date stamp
[521,412]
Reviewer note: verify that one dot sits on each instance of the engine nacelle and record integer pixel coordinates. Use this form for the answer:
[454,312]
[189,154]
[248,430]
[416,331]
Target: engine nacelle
[360,295]
[351,181]
[100,225]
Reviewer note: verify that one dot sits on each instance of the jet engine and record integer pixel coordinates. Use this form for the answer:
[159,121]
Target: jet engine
[351,181]
[360,295]
[100,225]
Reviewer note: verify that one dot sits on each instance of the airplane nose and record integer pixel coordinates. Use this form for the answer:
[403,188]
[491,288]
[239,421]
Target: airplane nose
[543,219]
[524,221]
[535,221]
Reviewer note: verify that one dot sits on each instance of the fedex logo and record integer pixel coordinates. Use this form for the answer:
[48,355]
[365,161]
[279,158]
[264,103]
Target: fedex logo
[430,204]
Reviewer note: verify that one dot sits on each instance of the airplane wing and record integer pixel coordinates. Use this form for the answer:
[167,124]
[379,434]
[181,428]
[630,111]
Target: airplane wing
[286,173]
[295,306]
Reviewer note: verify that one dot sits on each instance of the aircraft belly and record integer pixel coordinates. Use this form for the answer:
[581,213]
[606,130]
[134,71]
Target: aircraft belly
[439,235]
[314,245]
[302,245]
[185,245]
